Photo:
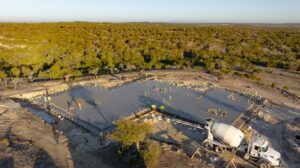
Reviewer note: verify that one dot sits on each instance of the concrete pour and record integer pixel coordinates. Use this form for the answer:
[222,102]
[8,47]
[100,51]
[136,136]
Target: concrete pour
[101,106]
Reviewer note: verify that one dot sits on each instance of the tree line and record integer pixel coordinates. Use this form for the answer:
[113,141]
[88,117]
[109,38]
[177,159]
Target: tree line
[63,50]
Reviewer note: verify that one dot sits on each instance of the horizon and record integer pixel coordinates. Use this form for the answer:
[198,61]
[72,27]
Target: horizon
[134,11]
[146,22]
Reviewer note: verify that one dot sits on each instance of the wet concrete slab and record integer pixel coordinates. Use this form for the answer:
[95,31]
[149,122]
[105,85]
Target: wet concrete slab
[101,106]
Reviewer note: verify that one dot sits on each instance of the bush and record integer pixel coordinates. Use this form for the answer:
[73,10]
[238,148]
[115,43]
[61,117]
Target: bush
[252,77]
[274,84]
[129,132]
[218,74]
[285,88]
[150,154]
[238,74]
[256,70]
[5,142]
[198,68]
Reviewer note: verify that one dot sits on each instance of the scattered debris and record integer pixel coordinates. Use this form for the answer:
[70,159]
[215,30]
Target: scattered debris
[197,153]
[160,90]
[218,112]
[214,158]
[231,97]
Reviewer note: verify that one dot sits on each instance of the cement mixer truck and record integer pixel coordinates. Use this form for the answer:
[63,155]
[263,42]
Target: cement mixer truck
[221,137]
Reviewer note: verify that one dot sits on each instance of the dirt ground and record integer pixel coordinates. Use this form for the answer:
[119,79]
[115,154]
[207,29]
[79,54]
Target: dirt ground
[64,144]
[237,84]
[185,141]
[22,125]
[280,133]
[282,78]
[22,153]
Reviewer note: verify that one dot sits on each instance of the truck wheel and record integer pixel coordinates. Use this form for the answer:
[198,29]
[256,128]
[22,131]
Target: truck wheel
[264,165]
[207,145]
[219,149]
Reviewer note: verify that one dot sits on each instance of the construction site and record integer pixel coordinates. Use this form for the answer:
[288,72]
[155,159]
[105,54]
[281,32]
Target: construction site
[198,120]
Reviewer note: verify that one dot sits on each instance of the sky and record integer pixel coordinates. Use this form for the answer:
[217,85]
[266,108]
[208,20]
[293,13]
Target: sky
[178,11]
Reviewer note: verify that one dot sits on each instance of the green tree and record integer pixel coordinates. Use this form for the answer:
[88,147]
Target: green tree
[129,132]
[3,77]
[28,73]
[56,71]
[16,72]
[150,153]
[94,71]
[56,49]
[274,84]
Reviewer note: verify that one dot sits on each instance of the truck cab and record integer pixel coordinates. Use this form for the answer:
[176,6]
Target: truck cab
[260,151]
[221,136]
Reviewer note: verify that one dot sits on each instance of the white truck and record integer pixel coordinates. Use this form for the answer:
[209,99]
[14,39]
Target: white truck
[223,136]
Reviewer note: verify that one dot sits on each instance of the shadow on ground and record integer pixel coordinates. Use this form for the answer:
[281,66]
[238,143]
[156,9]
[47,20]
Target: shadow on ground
[16,152]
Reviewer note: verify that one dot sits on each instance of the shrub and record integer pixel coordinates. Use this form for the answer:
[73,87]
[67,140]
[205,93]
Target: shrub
[150,154]
[285,88]
[129,132]
[253,77]
[238,74]
[274,84]
[5,141]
